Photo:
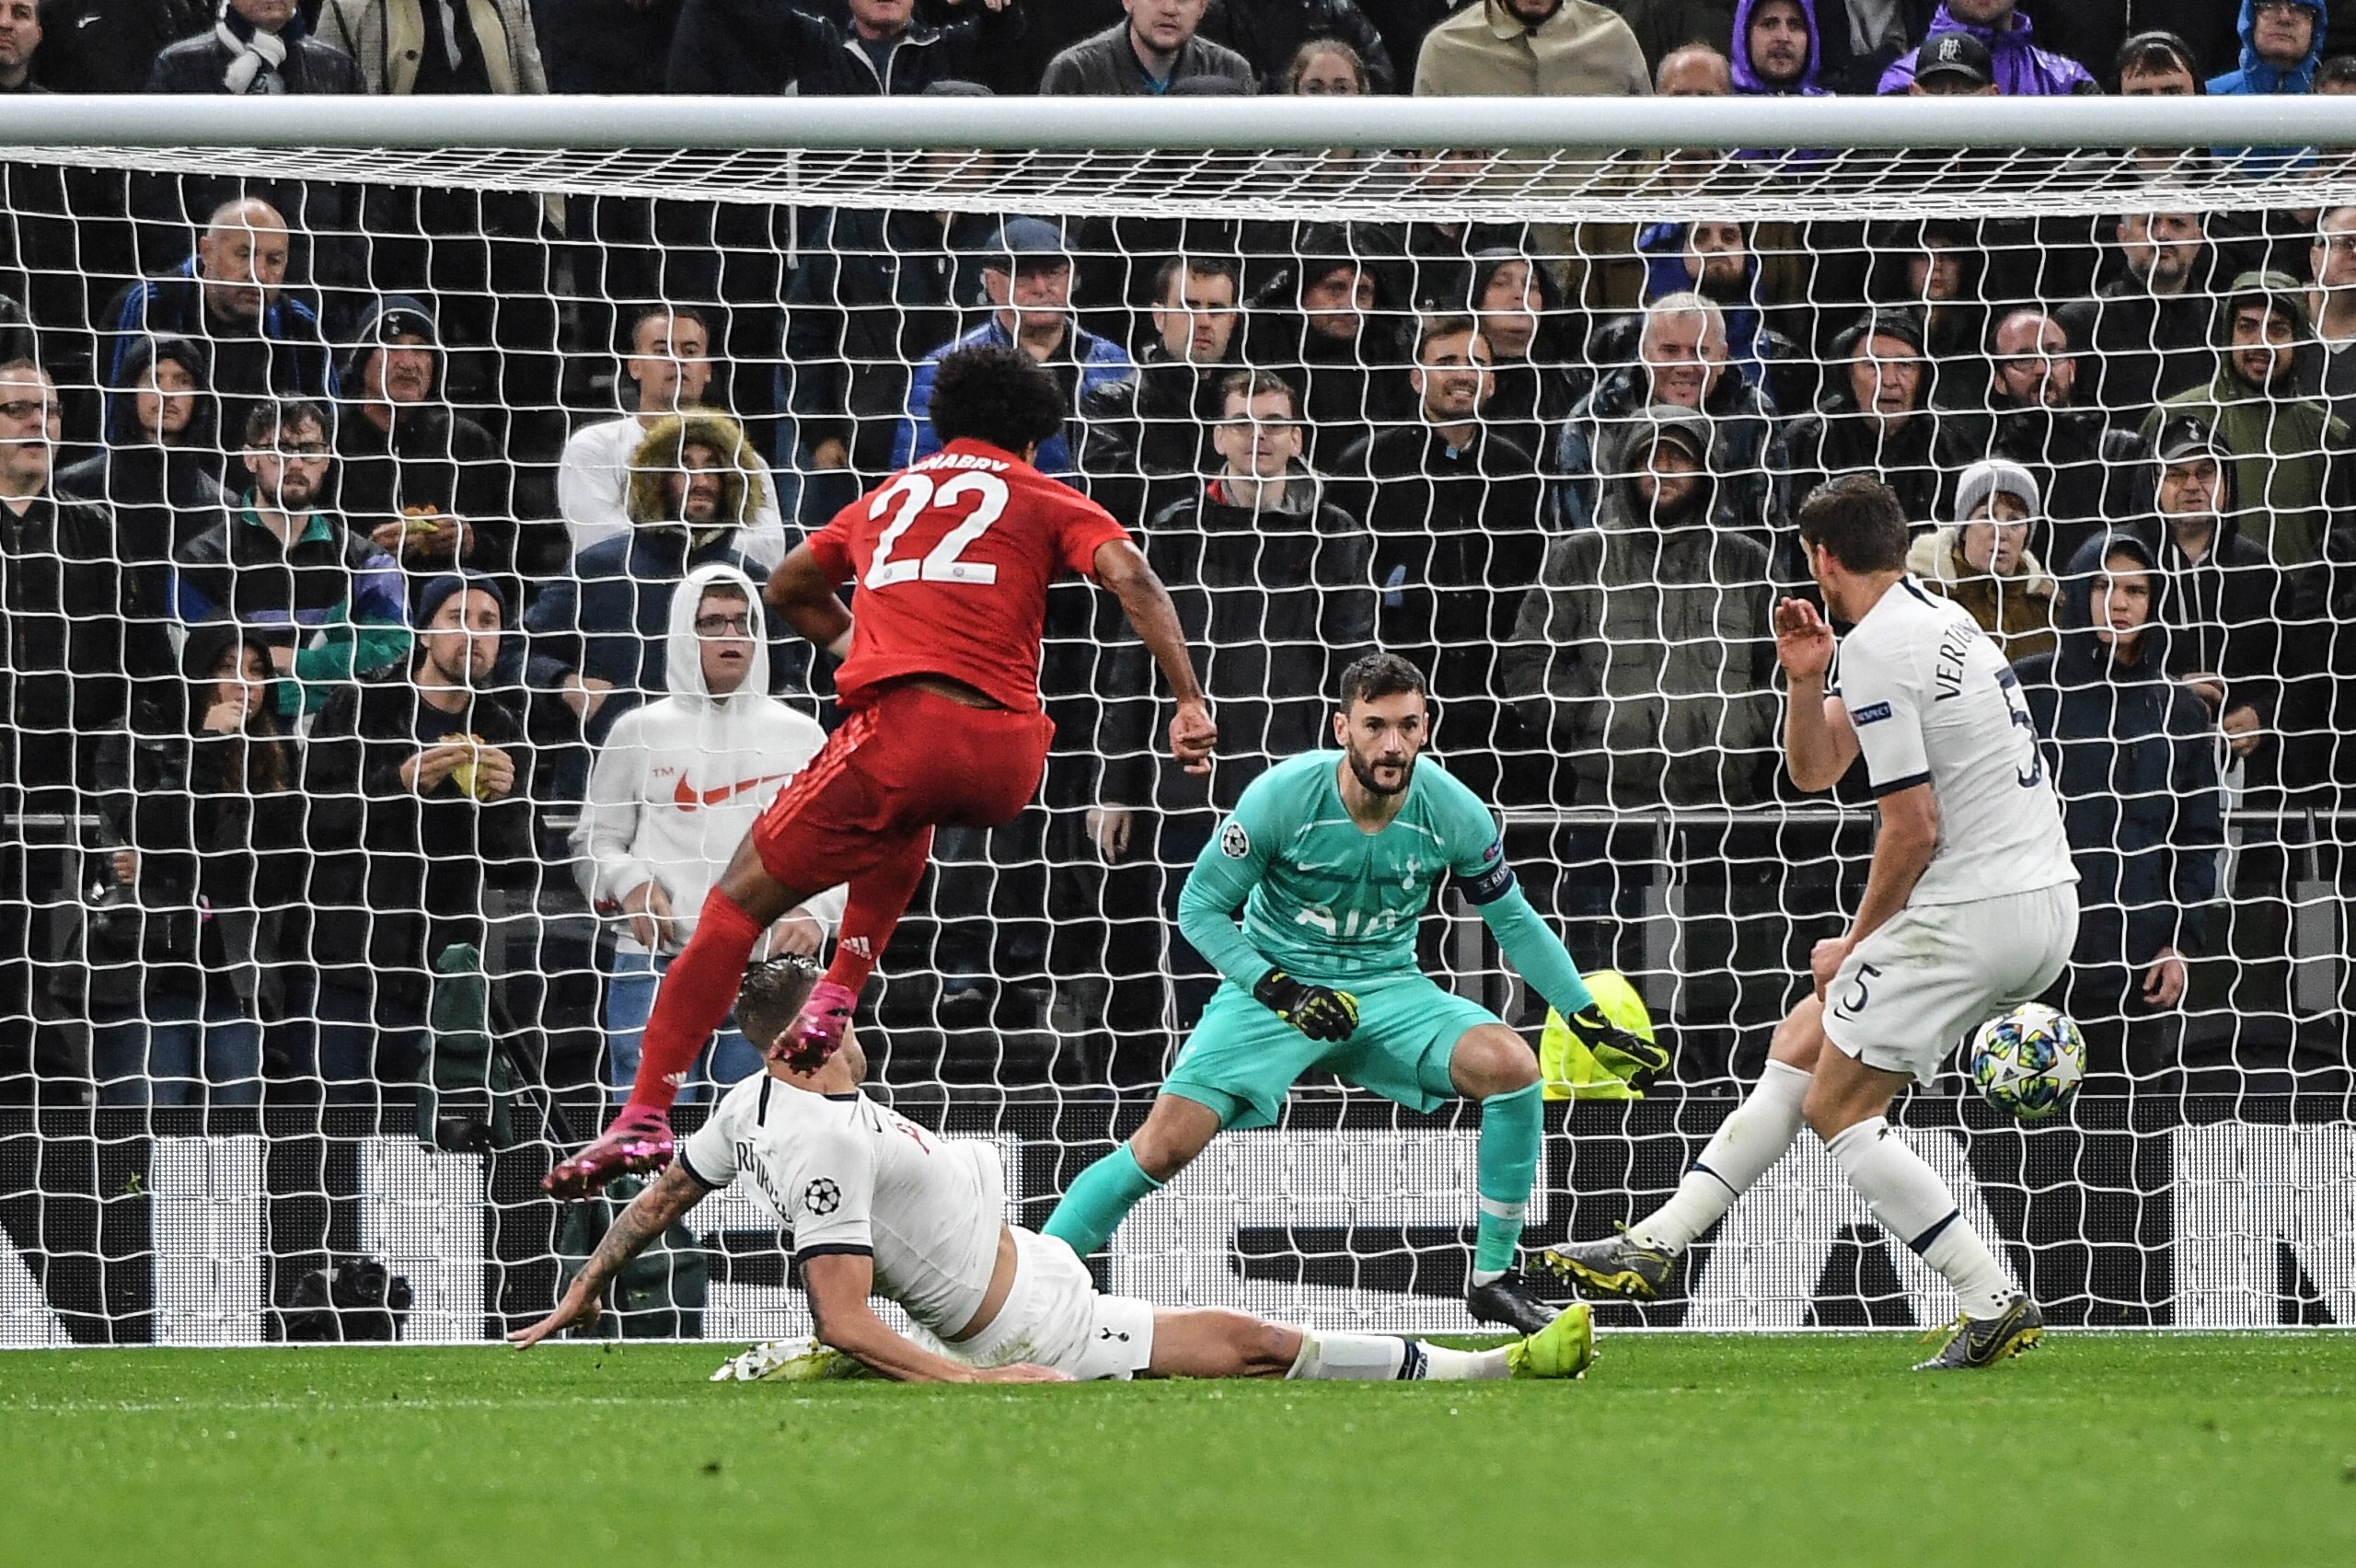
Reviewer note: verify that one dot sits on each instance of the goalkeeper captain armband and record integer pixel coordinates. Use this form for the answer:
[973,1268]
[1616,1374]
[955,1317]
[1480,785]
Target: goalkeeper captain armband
[1319,1011]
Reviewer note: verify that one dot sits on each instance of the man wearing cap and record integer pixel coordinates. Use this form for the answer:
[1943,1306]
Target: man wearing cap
[752,48]
[418,783]
[1146,54]
[1953,65]
[2016,67]
[329,602]
[1028,278]
[2227,602]
[427,485]
[1982,558]
[2288,454]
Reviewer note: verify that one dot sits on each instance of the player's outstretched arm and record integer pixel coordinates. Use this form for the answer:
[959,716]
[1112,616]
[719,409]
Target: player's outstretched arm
[1903,844]
[1124,572]
[804,596]
[648,1216]
[1819,743]
[839,1285]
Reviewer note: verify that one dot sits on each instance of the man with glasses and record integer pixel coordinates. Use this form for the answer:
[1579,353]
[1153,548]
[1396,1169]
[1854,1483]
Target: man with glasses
[2031,414]
[677,786]
[330,603]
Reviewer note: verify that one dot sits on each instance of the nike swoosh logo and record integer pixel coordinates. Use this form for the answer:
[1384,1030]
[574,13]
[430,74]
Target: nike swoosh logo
[688,799]
[81,22]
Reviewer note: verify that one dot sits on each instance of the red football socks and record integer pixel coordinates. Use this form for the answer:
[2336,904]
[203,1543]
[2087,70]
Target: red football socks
[696,995]
[876,899]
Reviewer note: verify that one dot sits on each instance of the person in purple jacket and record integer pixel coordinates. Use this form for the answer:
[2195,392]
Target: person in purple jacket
[2022,70]
[1774,50]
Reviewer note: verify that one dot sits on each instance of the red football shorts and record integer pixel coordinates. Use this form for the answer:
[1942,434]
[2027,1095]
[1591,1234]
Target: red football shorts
[908,762]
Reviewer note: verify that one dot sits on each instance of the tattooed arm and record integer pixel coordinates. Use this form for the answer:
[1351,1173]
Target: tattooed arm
[649,1214]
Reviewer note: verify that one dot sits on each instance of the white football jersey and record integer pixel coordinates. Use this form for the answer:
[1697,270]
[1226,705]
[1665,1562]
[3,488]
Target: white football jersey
[1933,702]
[847,1175]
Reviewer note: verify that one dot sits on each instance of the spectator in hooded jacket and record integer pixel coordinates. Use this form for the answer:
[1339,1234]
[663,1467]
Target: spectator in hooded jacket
[752,48]
[1641,655]
[1324,325]
[1872,420]
[230,295]
[417,789]
[158,470]
[211,860]
[1027,278]
[328,603]
[673,792]
[1680,360]
[2281,45]
[1982,558]
[1272,33]
[601,636]
[668,371]
[2293,470]
[2135,766]
[2022,70]
[425,483]
[1774,50]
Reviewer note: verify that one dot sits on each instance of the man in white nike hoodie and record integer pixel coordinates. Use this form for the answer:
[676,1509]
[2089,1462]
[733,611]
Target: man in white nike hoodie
[673,791]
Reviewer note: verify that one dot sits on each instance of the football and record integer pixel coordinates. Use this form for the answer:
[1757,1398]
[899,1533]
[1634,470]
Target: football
[2029,1061]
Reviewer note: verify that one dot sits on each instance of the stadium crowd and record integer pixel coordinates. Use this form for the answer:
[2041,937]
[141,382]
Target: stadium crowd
[382,566]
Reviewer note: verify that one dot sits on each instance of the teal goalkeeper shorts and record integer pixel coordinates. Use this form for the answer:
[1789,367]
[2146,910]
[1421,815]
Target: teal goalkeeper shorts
[1241,1059]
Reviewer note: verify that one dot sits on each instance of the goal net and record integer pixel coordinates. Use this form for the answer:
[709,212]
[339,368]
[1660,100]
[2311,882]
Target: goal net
[332,914]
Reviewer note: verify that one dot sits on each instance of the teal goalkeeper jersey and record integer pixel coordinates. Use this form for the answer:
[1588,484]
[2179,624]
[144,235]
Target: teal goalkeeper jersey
[1325,900]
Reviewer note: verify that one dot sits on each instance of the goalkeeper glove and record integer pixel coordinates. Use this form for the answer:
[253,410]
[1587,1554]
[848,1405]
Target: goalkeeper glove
[1624,1055]
[1319,1011]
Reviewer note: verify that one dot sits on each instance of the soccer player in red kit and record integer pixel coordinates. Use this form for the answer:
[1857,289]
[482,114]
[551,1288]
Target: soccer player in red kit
[950,562]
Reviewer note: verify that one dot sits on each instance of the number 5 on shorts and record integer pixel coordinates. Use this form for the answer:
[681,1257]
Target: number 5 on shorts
[1855,1002]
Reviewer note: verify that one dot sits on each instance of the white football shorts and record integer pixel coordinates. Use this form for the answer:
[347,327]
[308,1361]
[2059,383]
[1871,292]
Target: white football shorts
[1054,1317]
[1911,989]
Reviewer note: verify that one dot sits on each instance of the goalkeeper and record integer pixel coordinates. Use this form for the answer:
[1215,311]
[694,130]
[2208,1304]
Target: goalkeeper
[1333,861]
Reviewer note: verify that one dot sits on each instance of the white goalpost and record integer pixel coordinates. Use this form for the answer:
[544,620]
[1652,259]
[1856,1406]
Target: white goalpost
[273,1012]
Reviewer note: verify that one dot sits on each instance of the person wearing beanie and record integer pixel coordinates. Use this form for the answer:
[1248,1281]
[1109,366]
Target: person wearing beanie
[425,483]
[1980,559]
[419,784]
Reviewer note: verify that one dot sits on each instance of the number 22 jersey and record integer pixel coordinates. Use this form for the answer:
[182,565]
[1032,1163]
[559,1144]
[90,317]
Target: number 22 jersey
[950,561]
[1932,702]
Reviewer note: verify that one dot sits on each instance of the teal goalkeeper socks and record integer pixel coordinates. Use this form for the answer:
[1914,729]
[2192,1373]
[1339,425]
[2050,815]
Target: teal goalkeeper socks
[1094,1205]
[1511,1128]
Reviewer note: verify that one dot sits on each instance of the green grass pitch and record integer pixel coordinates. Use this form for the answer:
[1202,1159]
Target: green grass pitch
[2217,1450]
